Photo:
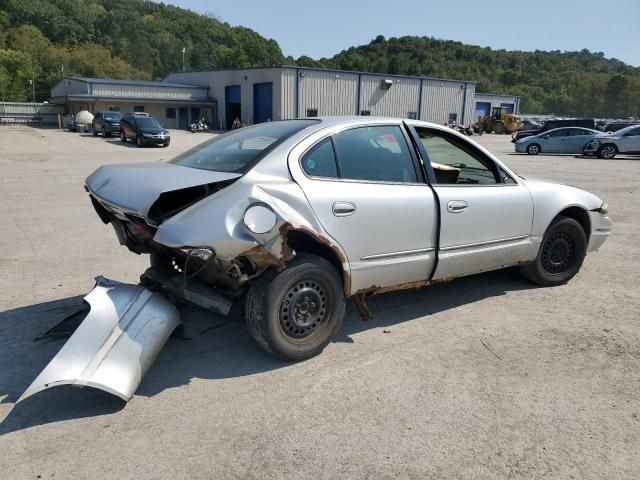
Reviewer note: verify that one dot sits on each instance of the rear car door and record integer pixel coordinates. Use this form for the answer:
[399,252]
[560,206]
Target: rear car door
[485,213]
[577,139]
[367,190]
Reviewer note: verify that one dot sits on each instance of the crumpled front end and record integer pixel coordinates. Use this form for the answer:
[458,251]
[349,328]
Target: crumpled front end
[112,349]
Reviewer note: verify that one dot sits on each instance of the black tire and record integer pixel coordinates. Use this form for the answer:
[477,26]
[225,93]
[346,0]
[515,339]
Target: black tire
[123,137]
[534,149]
[293,314]
[607,151]
[561,253]
[95,132]
[139,141]
[499,128]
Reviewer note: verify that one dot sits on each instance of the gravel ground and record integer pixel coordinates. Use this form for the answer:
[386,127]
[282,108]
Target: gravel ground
[484,377]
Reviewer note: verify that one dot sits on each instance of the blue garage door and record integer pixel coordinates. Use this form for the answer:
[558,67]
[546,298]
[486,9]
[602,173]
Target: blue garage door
[183,119]
[508,106]
[482,109]
[262,102]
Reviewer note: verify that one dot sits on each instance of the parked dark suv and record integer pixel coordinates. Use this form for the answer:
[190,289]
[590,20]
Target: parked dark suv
[143,129]
[551,124]
[107,123]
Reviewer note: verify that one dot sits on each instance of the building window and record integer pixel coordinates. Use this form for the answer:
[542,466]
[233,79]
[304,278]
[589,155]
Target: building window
[412,115]
[171,112]
[365,113]
[114,108]
[138,108]
[453,117]
[312,112]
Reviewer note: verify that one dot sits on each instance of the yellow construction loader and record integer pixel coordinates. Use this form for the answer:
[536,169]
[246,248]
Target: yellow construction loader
[499,122]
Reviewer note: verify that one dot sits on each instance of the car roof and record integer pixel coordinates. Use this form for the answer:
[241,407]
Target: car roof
[624,130]
[570,128]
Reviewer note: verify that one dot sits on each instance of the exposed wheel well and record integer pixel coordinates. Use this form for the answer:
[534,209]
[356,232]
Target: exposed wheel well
[303,242]
[581,216]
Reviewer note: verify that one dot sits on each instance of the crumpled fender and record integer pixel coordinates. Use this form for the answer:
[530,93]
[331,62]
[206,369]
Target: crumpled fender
[115,345]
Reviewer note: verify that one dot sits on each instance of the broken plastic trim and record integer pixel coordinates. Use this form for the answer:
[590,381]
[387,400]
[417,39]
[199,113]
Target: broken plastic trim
[115,345]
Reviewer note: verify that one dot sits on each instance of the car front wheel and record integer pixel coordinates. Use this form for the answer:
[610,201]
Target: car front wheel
[292,314]
[533,149]
[607,151]
[139,141]
[561,253]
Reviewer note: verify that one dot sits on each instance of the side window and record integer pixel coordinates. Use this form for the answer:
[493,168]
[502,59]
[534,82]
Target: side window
[379,154]
[579,132]
[453,163]
[633,133]
[320,161]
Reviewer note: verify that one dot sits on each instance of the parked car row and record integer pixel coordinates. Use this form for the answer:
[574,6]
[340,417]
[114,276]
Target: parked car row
[584,141]
[139,127]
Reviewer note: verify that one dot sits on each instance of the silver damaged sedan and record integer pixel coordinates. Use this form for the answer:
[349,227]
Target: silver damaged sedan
[285,220]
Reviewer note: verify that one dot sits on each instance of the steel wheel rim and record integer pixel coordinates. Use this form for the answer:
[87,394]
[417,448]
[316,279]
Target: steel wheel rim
[558,252]
[304,310]
[533,149]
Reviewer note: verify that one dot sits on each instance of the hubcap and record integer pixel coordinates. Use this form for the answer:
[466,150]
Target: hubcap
[303,309]
[533,149]
[557,252]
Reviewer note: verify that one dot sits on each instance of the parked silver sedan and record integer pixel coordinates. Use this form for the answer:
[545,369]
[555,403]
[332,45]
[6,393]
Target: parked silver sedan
[291,218]
[558,140]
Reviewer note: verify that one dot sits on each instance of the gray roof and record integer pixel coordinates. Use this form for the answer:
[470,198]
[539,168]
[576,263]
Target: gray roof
[140,83]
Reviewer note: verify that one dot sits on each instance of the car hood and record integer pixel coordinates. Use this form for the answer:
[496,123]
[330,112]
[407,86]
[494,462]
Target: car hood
[134,188]
[154,130]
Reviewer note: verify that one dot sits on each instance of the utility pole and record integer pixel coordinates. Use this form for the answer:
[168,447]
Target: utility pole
[33,90]
[184,49]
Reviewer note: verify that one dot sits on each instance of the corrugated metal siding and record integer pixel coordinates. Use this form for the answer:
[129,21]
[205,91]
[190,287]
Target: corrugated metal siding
[288,103]
[330,93]
[127,91]
[470,104]
[69,86]
[400,99]
[439,99]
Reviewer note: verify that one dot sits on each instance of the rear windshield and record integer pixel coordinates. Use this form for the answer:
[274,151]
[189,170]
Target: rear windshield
[237,151]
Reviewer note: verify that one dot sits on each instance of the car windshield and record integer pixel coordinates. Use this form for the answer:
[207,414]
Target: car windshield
[113,116]
[148,122]
[237,151]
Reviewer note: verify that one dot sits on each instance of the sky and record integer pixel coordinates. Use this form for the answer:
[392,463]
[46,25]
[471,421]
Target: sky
[324,28]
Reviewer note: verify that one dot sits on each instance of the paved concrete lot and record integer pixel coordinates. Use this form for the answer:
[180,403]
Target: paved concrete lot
[484,377]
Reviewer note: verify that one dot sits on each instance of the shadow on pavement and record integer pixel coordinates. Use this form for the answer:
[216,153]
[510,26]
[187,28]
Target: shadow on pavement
[213,348]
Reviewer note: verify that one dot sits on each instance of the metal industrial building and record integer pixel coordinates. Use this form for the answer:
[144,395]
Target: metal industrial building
[259,94]
[255,95]
[173,104]
[486,101]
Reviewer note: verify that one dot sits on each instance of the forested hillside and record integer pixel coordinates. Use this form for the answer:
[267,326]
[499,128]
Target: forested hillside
[574,83]
[122,39]
[136,39]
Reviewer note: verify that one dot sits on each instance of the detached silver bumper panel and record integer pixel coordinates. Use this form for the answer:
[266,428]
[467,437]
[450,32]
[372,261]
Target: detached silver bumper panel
[116,343]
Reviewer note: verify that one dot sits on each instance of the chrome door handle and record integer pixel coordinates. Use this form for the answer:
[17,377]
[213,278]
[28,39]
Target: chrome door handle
[457,206]
[343,209]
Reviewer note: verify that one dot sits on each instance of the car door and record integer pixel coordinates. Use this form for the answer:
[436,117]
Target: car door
[125,126]
[485,212]
[630,141]
[577,139]
[554,141]
[367,190]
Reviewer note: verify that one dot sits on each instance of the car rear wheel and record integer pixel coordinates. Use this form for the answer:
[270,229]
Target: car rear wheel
[607,151]
[533,149]
[123,137]
[95,132]
[139,141]
[292,314]
[561,253]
